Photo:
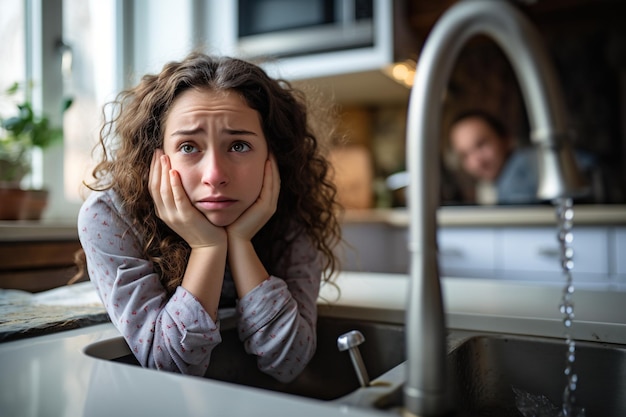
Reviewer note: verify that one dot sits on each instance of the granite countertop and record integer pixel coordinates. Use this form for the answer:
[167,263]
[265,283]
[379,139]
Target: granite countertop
[24,314]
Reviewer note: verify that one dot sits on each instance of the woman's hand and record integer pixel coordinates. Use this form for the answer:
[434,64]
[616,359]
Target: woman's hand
[246,267]
[174,208]
[255,216]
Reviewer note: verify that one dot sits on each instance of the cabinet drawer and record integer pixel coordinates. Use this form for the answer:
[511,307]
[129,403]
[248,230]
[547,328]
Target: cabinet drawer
[463,250]
[537,250]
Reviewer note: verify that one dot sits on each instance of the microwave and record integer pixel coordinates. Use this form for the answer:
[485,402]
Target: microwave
[291,28]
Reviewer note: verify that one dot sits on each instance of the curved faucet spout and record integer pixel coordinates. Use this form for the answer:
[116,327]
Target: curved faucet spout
[425,391]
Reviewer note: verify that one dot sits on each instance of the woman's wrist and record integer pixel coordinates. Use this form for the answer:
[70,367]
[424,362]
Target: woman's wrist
[204,276]
[246,267]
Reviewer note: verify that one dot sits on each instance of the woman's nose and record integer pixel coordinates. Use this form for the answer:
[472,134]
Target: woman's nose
[215,170]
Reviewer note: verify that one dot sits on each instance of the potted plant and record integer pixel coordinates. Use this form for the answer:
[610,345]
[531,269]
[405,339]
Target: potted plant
[20,133]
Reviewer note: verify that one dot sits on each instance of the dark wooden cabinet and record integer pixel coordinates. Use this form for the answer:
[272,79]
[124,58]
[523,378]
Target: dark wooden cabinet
[37,265]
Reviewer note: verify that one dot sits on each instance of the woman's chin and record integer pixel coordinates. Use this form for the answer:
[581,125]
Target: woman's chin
[221,219]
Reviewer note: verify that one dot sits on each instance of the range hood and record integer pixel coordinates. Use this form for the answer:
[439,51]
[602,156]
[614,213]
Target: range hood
[372,87]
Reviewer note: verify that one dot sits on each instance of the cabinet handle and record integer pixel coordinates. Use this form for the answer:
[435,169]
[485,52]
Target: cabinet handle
[549,252]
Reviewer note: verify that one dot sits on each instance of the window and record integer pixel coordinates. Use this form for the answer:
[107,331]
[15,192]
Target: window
[12,33]
[66,48]
[89,69]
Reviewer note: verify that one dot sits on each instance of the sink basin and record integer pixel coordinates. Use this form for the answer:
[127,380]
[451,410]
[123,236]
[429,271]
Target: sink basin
[484,371]
[330,373]
[328,376]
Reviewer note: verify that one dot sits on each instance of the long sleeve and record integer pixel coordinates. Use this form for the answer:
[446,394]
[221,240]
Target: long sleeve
[279,317]
[174,333]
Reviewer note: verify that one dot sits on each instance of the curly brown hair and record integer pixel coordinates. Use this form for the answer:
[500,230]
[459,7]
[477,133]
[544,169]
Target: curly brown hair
[134,129]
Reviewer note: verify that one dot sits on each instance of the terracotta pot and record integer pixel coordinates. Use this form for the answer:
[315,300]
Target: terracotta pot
[18,204]
[36,201]
[12,201]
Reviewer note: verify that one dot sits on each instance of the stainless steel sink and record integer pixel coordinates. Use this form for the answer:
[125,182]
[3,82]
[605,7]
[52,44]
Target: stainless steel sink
[328,376]
[330,373]
[485,370]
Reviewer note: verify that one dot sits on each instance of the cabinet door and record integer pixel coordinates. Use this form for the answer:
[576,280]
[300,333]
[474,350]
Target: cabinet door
[537,250]
[467,252]
[373,247]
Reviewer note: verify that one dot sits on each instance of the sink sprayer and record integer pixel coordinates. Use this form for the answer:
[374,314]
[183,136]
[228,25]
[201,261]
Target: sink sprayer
[350,341]
[425,389]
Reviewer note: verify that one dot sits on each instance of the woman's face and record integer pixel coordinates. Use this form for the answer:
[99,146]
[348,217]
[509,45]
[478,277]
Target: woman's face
[216,143]
[481,151]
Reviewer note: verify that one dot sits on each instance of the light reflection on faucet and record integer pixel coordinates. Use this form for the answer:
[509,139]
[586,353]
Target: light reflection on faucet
[425,390]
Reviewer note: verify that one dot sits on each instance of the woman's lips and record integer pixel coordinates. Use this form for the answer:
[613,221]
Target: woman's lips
[215,204]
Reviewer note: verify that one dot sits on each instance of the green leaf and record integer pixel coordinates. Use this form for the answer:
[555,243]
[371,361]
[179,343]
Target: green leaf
[67,103]
[13,89]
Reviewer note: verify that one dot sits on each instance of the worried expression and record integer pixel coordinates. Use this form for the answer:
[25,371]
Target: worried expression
[216,143]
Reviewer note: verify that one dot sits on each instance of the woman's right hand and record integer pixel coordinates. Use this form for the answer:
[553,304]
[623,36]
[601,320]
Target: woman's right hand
[173,206]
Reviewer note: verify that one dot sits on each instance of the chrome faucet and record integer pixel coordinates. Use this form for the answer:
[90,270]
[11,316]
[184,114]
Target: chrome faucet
[425,389]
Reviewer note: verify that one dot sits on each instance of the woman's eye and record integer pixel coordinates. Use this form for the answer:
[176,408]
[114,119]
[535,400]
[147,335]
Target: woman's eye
[240,147]
[187,148]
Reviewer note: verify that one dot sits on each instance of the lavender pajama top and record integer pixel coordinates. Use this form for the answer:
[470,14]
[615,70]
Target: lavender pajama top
[277,319]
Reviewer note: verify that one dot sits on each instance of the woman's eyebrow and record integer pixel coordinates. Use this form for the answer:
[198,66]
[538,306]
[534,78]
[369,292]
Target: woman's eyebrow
[193,131]
[240,132]
[186,132]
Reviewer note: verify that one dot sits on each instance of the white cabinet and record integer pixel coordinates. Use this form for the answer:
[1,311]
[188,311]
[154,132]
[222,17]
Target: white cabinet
[497,252]
[373,247]
[467,252]
[527,253]
[536,249]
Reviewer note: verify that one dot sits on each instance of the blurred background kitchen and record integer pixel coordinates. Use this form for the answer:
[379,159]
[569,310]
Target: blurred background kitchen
[89,50]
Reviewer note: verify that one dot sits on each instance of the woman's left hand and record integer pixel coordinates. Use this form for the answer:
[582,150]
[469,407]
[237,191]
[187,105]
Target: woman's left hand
[255,216]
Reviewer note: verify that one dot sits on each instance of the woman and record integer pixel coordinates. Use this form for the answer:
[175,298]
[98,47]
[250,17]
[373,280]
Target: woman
[212,191]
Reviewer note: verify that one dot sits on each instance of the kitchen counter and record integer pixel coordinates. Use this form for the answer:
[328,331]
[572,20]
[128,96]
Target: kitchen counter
[447,216]
[51,375]
[539,215]
[25,314]
[31,230]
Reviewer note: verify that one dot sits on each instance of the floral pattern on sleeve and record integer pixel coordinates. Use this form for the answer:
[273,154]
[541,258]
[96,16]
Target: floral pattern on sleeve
[174,333]
[279,317]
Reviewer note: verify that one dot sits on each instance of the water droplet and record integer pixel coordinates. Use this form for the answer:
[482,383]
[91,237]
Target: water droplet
[565,216]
